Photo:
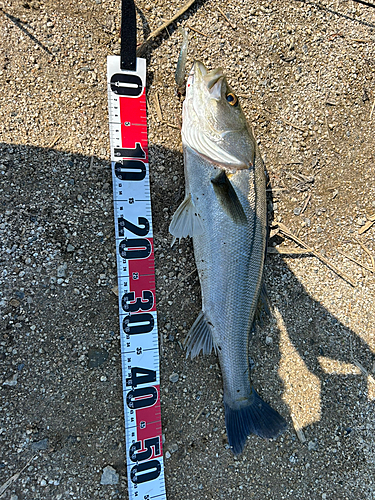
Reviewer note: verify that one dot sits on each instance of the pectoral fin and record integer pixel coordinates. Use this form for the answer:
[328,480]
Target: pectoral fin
[186,220]
[228,198]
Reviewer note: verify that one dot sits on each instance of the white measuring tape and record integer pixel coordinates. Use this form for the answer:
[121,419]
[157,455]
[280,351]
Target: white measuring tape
[136,279]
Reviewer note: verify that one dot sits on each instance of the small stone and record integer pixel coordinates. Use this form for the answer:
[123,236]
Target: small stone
[43,482]
[14,303]
[11,381]
[97,357]
[109,476]
[70,248]
[79,197]
[312,445]
[173,448]
[167,454]
[40,445]
[297,211]
[361,221]
[174,377]
[13,497]
[269,340]
[61,270]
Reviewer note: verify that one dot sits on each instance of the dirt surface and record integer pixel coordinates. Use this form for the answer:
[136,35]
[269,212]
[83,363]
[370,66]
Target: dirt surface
[305,73]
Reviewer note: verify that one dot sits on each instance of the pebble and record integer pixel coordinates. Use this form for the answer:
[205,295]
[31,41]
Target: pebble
[14,303]
[61,270]
[173,448]
[11,381]
[40,445]
[174,377]
[312,445]
[109,476]
[97,357]
[70,248]
[297,211]
[167,454]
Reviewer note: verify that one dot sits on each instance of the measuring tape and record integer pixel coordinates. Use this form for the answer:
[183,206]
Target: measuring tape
[136,279]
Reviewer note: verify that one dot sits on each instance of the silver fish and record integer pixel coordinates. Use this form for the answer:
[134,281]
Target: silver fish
[225,212]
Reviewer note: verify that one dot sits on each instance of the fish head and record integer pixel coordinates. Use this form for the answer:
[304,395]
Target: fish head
[214,124]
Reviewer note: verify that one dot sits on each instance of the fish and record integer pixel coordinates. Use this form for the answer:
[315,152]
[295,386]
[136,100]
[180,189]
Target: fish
[225,213]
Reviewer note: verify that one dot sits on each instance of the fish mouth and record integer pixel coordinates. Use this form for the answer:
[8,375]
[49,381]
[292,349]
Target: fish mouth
[211,81]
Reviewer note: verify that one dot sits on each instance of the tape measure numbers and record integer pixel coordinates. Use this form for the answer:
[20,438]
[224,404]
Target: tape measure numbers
[136,279]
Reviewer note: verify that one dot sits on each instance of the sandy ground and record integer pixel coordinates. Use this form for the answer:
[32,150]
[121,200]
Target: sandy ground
[305,73]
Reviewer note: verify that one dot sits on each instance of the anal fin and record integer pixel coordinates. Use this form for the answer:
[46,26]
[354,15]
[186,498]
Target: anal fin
[199,338]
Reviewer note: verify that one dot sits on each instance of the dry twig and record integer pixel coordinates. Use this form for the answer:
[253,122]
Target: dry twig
[372,109]
[298,429]
[199,414]
[318,255]
[226,18]
[294,126]
[157,107]
[55,141]
[197,31]
[306,203]
[369,223]
[356,261]
[362,245]
[175,288]
[157,32]
[287,251]
[171,125]
[13,478]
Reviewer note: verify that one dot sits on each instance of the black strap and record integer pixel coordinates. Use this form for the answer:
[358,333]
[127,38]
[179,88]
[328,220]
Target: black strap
[128,53]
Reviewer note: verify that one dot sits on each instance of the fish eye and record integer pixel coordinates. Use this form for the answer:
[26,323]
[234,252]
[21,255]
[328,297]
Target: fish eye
[232,99]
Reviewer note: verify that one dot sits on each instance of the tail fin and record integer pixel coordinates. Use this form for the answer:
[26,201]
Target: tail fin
[255,418]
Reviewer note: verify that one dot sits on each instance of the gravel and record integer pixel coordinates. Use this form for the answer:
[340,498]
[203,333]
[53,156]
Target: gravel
[305,73]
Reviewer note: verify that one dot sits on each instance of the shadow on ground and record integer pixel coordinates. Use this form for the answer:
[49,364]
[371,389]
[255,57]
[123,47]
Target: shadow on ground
[58,271]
